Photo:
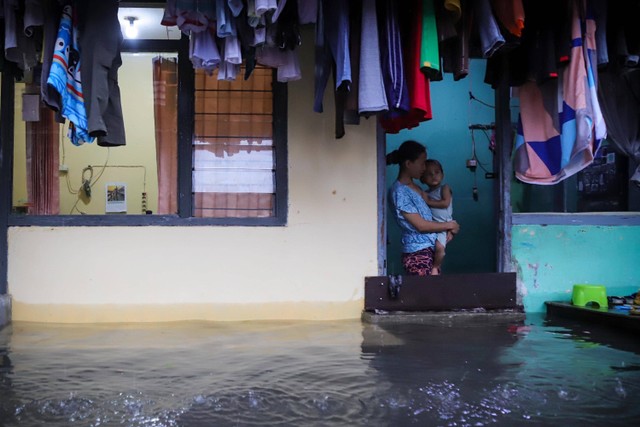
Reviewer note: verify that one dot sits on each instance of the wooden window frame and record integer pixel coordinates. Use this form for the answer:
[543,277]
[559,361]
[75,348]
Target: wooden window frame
[186,116]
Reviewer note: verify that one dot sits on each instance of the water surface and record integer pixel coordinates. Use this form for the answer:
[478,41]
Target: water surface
[343,373]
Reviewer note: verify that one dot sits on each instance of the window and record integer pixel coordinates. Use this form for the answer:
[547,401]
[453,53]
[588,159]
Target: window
[603,186]
[52,176]
[233,150]
[199,151]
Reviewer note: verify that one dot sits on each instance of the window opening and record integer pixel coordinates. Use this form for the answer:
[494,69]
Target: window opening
[233,146]
[52,176]
[224,165]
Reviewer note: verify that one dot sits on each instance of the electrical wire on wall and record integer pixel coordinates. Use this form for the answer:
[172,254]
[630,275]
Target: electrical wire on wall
[87,182]
[473,162]
[490,140]
[144,172]
[144,181]
[87,177]
[473,98]
[63,162]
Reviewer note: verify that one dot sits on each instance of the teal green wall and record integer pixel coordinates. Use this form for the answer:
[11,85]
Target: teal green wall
[551,259]
[448,139]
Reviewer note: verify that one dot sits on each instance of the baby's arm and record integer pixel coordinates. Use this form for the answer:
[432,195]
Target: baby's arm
[440,204]
[426,198]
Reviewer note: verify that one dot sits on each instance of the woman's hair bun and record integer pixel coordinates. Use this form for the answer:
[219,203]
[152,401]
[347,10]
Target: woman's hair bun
[408,150]
[393,158]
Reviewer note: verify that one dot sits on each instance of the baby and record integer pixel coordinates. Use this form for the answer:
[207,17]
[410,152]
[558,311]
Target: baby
[439,198]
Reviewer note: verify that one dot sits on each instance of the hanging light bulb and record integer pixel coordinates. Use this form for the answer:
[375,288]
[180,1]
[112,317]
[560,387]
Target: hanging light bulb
[131,30]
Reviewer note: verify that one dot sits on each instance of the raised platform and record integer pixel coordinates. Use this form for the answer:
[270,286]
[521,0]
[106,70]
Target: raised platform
[448,292]
[445,318]
[619,319]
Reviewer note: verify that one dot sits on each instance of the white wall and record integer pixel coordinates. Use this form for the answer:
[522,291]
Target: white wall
[313,268]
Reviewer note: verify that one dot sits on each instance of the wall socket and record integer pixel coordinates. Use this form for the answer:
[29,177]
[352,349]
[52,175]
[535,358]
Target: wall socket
[63,168]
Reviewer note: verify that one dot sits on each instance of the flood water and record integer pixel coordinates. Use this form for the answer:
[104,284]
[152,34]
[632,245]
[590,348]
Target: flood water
[346,373]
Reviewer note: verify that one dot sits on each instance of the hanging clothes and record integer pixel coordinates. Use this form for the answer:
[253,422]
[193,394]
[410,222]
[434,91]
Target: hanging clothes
[600,9]
[203,51]
[429,51]
[351,110]
[332,47]
[346,96]
[279,50]
[491,38]
[455,51]
[100,40]
[225,25]
[50,97]
[371,94]
[391,56]
[285,61]
[64,76]
[307,11]
[246,35]
[560,124]
[235,6]
[266,6]
[545,46]
[418,83]
[511,15]
[189,15]
[252,18]
[591,64]
[445,23]
[619,89]
[287,29]
[232,50]
[23,32]
[624,35]
[228,72]
[454,7]
[618,77]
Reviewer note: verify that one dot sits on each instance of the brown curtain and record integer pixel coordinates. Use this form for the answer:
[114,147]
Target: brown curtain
[165,105]
[230,114]
[234,205]
[43,182]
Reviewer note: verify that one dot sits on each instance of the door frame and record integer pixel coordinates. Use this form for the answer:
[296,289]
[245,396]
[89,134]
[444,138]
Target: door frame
[504,145]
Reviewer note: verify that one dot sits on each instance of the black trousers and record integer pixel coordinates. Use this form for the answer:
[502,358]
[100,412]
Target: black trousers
[100,40]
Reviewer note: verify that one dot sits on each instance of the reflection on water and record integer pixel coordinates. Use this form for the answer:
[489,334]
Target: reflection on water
[329,373]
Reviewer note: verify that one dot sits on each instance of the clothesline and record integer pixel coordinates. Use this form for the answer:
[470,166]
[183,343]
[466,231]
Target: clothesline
[383,56]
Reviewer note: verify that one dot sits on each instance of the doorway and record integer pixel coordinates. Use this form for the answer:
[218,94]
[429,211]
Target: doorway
[449,139]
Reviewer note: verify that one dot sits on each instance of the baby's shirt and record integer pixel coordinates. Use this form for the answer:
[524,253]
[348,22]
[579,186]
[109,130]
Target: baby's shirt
[440,214]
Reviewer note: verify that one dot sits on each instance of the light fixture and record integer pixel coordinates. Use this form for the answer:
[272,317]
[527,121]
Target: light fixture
[131,30]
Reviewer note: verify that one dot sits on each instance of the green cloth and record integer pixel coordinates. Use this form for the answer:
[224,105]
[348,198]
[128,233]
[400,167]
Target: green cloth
[429,53]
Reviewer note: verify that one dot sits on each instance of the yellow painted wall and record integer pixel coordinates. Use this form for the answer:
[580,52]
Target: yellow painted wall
[136,88]
[19,194]
[313,268]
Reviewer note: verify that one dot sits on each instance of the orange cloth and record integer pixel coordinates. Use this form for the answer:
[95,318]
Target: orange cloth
[510,13]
